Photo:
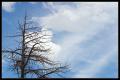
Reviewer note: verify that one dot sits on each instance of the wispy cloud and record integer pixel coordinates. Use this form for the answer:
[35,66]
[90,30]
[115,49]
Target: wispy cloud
[91,41]
[80,18]
[84,21]
[8,6]
[33,2]
[95,67]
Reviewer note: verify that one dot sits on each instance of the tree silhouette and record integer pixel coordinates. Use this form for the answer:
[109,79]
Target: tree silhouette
[29,58]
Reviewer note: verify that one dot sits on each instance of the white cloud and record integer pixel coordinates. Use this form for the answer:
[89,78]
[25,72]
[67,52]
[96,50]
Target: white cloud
[96,66]
[33,2]
[47,38]
[3,61]
[84,20]
[8,6]
[80,18]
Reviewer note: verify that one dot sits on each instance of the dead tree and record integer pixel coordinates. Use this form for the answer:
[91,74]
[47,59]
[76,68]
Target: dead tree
[29,58]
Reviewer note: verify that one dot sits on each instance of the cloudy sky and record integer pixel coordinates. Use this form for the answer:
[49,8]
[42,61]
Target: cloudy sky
[85,34]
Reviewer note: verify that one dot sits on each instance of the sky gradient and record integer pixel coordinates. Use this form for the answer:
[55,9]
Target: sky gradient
[85,34]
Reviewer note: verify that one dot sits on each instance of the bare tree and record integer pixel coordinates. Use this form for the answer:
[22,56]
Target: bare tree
[29,59]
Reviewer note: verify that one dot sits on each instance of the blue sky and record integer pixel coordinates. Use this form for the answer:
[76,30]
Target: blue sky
[85,34]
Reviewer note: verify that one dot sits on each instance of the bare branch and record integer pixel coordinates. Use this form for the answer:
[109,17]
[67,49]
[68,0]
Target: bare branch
[35,39]
[15,35]
[30,53]
[7,51]
[25,57]
[55,70]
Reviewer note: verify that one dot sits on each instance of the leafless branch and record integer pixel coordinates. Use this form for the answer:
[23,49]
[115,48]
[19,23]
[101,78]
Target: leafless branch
[25,57]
